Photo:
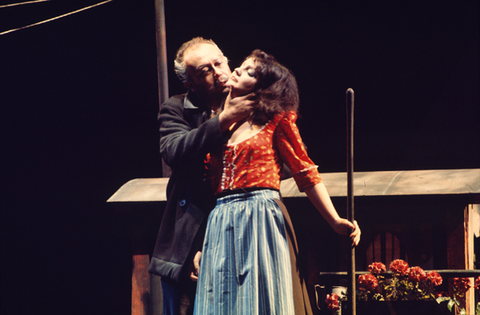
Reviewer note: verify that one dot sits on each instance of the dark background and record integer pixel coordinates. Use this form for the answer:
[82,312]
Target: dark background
[79,101]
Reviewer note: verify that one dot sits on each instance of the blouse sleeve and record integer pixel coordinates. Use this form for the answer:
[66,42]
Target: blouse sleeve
[293,152]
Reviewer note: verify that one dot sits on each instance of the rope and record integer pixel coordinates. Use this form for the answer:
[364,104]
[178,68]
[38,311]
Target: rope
[54,18]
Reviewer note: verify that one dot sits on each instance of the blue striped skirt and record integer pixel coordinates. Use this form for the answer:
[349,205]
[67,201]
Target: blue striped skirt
[245,266]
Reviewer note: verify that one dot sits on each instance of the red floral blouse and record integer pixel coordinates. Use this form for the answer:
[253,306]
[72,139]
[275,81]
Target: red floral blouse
[257,161]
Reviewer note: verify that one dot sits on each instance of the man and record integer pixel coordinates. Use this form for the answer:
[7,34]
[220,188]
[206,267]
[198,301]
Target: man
[187,134]
[189,129]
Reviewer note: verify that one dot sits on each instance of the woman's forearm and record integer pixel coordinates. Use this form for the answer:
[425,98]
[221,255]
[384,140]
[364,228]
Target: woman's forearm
[320,198]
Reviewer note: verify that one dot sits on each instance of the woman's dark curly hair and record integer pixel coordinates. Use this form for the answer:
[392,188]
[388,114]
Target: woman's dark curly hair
[276,89]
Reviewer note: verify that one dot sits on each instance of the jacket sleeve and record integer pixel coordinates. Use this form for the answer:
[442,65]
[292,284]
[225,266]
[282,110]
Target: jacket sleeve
[182,143]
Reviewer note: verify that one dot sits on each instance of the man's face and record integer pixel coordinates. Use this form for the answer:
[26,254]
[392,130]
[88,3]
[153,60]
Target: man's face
[208,70]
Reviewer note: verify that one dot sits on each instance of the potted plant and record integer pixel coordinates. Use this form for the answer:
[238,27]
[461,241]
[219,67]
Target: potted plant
[333,303]
[410,289]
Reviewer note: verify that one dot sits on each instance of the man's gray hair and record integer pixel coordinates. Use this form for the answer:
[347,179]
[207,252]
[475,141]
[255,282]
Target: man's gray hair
[179,65]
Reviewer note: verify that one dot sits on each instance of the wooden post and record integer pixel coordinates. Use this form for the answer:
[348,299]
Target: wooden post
[472,228]
[146,288]
[460,249]
[140,285]
[351,292]
[162,68]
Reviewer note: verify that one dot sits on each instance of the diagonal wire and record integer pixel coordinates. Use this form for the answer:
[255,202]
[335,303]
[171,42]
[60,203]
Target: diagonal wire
[21,3]
[54,18]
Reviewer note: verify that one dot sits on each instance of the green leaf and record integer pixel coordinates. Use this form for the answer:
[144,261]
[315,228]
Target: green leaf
[451,303]
[441,299]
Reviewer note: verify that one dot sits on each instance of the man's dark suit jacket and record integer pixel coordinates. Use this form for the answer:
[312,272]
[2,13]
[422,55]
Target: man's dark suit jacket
[186,136]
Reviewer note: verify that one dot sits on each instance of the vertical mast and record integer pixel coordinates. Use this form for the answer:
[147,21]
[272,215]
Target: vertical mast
[351,293]
[162,71]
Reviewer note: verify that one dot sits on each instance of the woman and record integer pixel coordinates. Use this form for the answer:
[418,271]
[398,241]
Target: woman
[245,266]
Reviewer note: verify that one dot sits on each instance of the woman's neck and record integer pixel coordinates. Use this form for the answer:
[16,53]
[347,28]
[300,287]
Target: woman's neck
[242,130]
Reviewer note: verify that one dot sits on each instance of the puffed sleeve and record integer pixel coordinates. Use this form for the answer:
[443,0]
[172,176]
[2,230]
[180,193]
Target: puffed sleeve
[293,152]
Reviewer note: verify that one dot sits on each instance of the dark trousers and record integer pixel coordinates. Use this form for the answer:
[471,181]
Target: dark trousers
[178,300]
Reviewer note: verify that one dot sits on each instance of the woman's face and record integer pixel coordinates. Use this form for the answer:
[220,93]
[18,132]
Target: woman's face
[243,79]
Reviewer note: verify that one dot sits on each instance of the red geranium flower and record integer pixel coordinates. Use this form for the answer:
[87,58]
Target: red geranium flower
[377,267]
[416,274]
[435,278]
[461,284]
[332,302]
[477,283]
[368,282]
[399,267]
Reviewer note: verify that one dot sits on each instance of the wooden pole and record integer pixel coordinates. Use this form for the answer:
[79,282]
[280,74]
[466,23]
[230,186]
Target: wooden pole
[351,296]
[147,298]
[162,68]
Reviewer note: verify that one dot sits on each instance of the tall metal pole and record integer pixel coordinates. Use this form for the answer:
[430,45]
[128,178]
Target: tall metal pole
[352,305]
[162,68]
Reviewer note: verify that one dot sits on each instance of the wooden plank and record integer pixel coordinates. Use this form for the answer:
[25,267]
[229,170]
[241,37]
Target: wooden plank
[385,183]
[397,183]
[141,190]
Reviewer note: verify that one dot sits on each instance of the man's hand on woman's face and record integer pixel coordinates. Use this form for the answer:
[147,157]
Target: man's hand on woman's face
[235,109]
